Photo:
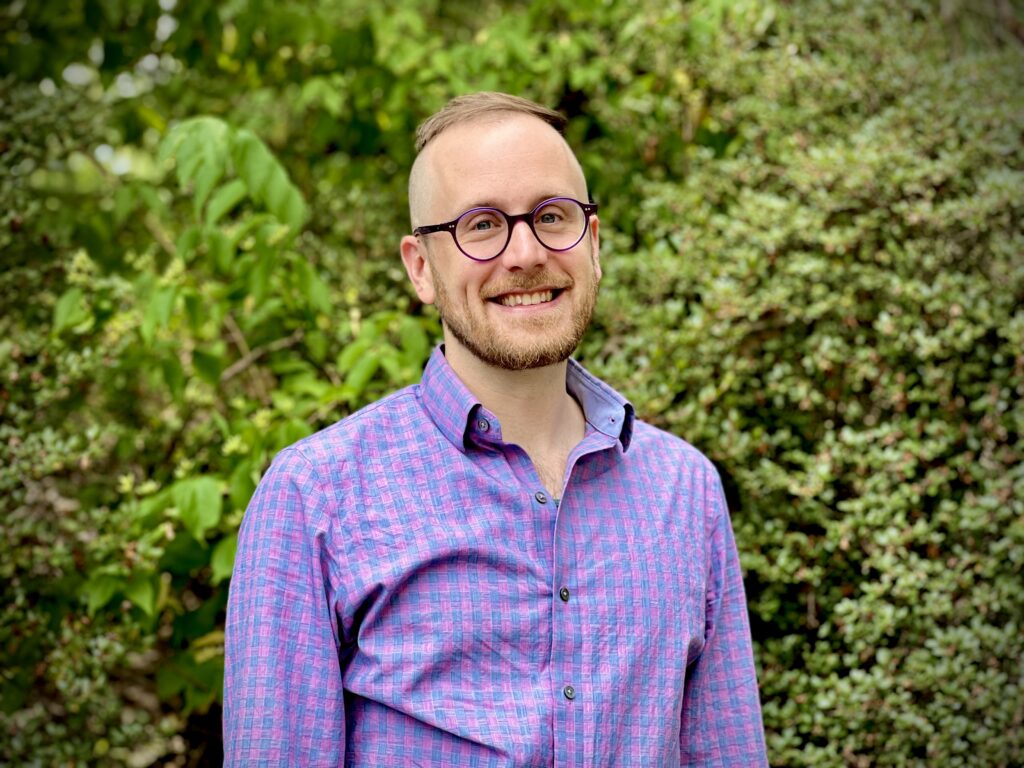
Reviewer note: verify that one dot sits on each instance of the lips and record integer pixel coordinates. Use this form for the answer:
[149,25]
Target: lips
[527,291]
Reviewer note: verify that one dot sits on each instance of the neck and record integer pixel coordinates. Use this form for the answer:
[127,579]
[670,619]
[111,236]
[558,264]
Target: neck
[534,408]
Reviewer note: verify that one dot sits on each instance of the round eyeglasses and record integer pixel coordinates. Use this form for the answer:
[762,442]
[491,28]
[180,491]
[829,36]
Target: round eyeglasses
[483,234]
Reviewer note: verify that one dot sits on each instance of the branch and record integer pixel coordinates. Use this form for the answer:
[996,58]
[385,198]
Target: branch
[158,233]
[247,360]
[236,334]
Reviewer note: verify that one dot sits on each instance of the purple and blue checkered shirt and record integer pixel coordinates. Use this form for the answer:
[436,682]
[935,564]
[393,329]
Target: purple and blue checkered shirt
[406,593]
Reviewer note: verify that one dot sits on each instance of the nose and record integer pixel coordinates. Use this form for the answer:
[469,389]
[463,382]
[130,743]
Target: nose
[524,251]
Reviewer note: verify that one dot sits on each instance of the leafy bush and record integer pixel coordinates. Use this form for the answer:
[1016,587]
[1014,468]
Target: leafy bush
[812,215]
[843,303]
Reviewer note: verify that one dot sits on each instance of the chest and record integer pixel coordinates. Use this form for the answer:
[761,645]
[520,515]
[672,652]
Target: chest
[483,552]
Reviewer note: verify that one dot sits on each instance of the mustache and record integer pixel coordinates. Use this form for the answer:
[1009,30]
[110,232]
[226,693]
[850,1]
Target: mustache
[526,283]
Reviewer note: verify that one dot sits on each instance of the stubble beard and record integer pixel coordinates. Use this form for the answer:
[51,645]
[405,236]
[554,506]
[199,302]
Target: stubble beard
[489,344]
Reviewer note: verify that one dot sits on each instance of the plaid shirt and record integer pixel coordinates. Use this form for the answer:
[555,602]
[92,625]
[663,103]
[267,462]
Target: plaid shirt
[406,593]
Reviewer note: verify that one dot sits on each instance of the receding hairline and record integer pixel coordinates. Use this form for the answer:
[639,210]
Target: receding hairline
[481,108]
[474,106]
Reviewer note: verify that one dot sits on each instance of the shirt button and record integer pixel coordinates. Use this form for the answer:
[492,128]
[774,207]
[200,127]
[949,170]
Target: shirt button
[569,692]
[483,425]
[541,497]
[564,594]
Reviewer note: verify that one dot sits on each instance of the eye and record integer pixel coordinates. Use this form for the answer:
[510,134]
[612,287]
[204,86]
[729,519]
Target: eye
[550,215]
[482,223]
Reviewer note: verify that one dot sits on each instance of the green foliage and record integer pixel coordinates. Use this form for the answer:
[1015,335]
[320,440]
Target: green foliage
[834,313]
[813,239]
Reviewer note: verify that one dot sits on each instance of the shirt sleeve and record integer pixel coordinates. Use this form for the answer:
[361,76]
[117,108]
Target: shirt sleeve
[721,723]
[283,701]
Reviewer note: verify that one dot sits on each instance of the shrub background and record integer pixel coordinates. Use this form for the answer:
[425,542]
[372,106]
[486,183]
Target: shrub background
[814,258]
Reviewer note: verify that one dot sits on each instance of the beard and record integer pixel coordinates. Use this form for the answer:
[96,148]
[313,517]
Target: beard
[543,342]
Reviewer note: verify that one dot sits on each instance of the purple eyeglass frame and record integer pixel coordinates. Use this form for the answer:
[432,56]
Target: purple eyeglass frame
[589,209]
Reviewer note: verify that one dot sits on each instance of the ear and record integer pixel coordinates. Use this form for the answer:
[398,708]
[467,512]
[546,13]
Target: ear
[595,245]
[414,256]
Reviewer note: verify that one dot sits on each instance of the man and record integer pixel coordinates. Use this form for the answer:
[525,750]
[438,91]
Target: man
[499,566]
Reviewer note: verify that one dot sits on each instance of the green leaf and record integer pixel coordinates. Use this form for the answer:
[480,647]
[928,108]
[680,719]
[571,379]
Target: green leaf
[186,244]
[98,591]
[170,680]
[253,161]
[174,376]
[209,678]
[276,190]
[141,590]
[198,500]
[18,686]
[361,373]
[208,365]
[224,199]
[294,211]
[113,10]
[70,310]
[206,179]
[125,203]
[195,309]
[221,250]
[223,558]
[241,485]
[189,160]
[313,288]
[267,180]
[197,145]
[259,277]
[183,554]
[316,343]
[353,352]
[414,341]
[157,313]
[290,432]
[392,364]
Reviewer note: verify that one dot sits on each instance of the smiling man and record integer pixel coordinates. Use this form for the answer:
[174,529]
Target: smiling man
[499,566]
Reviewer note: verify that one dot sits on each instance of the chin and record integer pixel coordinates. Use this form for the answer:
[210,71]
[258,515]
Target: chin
[511,356]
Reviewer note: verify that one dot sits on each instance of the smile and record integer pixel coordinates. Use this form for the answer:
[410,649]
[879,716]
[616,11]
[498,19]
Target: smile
[526,299]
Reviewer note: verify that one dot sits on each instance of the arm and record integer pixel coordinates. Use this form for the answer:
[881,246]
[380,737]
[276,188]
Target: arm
[283,701]
[722,724]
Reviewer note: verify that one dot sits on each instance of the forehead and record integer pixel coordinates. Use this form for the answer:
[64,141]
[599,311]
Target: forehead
[507,160]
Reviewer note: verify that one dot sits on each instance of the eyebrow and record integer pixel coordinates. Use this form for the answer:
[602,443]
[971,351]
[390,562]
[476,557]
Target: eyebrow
[491,203]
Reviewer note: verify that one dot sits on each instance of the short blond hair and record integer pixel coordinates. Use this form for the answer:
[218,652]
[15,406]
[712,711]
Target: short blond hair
[472,106]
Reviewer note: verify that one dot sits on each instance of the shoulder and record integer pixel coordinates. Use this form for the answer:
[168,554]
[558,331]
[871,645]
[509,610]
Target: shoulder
[663,449]
[681,472]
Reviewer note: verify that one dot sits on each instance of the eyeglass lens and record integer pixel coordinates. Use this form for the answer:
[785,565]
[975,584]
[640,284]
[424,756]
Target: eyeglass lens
[558,224]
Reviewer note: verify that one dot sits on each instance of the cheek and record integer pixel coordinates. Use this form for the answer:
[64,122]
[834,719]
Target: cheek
[595,255]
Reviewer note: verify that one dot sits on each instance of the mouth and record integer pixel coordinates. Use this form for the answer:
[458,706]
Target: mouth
[527,299]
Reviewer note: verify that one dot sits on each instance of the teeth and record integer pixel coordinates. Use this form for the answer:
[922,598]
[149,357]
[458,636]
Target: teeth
[525,299]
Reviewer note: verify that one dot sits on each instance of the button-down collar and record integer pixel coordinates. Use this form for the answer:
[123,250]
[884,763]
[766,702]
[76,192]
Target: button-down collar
[461,417]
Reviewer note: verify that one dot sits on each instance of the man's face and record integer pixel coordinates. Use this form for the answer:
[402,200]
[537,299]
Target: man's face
[529,307]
